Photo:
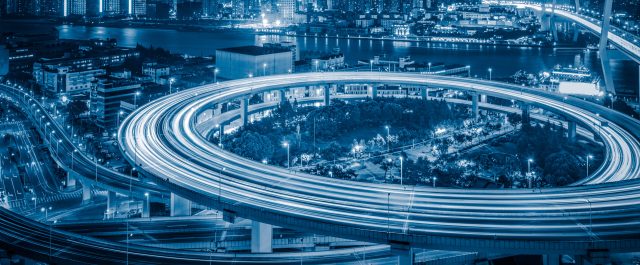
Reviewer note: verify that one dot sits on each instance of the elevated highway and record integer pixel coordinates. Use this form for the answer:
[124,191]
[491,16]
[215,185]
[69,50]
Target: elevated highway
[162,138]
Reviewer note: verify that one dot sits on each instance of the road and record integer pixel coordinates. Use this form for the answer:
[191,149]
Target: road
[161,139]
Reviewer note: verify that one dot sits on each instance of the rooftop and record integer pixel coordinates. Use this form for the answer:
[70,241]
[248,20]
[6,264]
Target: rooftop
[255,50]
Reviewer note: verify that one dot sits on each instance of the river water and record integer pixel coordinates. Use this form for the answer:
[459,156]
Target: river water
[504,61]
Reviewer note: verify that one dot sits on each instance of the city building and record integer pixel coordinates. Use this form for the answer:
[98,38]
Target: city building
[63,76]
[157,72]
[249,61]
[328,62]
[113,95]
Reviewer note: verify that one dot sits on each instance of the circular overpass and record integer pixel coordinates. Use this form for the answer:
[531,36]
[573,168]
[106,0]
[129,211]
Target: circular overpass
[161,139]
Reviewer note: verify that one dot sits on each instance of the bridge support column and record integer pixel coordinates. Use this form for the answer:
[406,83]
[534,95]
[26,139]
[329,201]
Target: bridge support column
[180,206]
[576,32]
[112,204]
[571,131]
[554,28]
[261,237]
[551,259]
[86,192]
[424,93]
[405,255]
[327,95]
[474,105]
[283,96]
[373,91]
[70,180]
[146,206]
[604,57]
[526,119]
[244,111]
[483,98]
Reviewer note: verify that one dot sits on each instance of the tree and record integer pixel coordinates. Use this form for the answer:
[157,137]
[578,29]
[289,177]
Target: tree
[561,168]
[514,118]
[77,107]
[252,145]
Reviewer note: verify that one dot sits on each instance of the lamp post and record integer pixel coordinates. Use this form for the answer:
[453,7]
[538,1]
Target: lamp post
[58,147]
[590,217]
[215,75]
[401,159]
[589,157]
[118,118]
[264,69]
[434,181]
[146,205]
[529,161]
[490,70]
[135,97]
[371,65]
[286,145]
[429,67]
[388,144]
[72,158]
[171,80]
[219,135]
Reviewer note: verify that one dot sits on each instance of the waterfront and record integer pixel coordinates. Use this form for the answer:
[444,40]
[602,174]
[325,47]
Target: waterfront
[504,60]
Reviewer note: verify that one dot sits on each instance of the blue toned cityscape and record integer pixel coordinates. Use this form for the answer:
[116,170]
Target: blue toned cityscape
[350,132]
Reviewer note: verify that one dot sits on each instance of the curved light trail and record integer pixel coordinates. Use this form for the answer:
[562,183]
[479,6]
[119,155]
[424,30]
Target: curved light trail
[162,139]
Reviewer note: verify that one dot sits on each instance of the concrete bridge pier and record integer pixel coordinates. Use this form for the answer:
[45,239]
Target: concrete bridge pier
[112,204]
[244,111]
[424,93]
[526,118]
[551,259]
[554,27]
[576,32]
[327,95]
[86,192]
[70,180]
[283,96]
[179,206]
[571,131]
[604,57]
[474,105]
[373,91]
[261,237]
[404,253]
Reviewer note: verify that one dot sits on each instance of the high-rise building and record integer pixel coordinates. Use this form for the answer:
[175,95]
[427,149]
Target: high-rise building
[139,8]
[77,7]
[287,9]
[111,7]
[112,95]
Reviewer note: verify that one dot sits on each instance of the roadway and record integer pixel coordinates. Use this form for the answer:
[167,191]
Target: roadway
[162,139]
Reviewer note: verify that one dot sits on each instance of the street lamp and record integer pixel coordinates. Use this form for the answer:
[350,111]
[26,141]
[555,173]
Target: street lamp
[434,181]
[264,69]
[529,161]
[429,67]
[118,121]
[401,159]
[490,70]
[371,65]
[146,205]
[286,144]
[215,75]
[589,157]
[590,217]
[219,135]
[46,212]
[135,97]
[388,144]
[171,80]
